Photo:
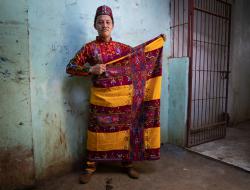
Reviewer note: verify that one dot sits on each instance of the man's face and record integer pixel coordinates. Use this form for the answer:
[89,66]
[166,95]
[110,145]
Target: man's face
[104,26]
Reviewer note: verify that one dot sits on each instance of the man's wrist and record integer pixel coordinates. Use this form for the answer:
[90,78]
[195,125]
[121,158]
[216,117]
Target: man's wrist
[87,69]
[90,70]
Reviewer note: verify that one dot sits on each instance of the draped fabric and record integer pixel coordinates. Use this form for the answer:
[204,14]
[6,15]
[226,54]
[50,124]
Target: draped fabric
[95,52]
[124,121]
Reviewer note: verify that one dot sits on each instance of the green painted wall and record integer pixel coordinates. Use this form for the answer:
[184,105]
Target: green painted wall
[16,147]
[178,100]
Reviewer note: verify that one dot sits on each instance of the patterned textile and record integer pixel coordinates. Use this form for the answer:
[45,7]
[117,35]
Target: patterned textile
[95,51]
[124,122]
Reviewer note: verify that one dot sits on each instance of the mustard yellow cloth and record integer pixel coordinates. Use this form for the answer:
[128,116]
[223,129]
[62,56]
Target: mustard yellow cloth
[108,144]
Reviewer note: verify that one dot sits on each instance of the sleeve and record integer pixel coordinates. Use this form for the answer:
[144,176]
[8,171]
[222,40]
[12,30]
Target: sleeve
[77,66]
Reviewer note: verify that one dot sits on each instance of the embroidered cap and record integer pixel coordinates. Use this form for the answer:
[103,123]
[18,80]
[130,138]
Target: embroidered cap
[104,10]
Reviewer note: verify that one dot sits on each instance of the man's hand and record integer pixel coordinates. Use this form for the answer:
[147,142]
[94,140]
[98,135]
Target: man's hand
[164,37]
[97,69]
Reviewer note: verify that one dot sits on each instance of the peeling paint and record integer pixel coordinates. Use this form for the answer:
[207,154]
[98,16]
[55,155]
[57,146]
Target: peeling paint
[5,59]
[5,74]
[18,77]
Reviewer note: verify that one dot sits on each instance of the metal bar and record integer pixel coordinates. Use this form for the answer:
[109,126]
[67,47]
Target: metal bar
[225,63]
[221,62]
[216,63]
[183,41]
[195,68]
[221,1]
[196,122]
[207,127]
[214,14]
[178,27]
[190,47]
[214,71]
[212,59]
[199,65]
[189,140]
[171,27]
[219,44]
[218,67]
[205,141]
[200,99]
[204,73]
[207,72]
[211,66]
[211,62]
[208,67]
[203,76]
[225,116]
[174,31]
[228,56]
[221,67]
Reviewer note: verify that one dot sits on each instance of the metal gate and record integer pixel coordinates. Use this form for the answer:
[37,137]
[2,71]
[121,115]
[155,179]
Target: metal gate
[201,31]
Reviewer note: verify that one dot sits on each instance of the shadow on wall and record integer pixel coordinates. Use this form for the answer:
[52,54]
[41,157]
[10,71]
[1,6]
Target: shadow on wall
[75,90]
[76,95]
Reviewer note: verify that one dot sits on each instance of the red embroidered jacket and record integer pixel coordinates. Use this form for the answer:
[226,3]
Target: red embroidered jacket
[95,52]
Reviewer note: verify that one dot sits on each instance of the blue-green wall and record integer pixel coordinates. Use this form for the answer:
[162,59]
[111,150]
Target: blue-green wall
[44,111]
[178,100]
[16,148]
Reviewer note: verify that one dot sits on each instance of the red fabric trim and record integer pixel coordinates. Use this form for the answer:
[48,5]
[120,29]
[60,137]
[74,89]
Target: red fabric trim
[121,155]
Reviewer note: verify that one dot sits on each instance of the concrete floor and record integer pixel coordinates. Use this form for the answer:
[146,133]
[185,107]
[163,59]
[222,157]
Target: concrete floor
[178,169]
[234,149]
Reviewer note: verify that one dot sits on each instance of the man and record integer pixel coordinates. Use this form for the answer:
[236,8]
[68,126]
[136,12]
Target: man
[119,129]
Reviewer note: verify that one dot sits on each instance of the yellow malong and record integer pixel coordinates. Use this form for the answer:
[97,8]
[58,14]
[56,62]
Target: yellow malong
[125,117]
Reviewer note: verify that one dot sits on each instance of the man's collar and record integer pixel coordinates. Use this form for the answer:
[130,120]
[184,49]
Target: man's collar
[99,39]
